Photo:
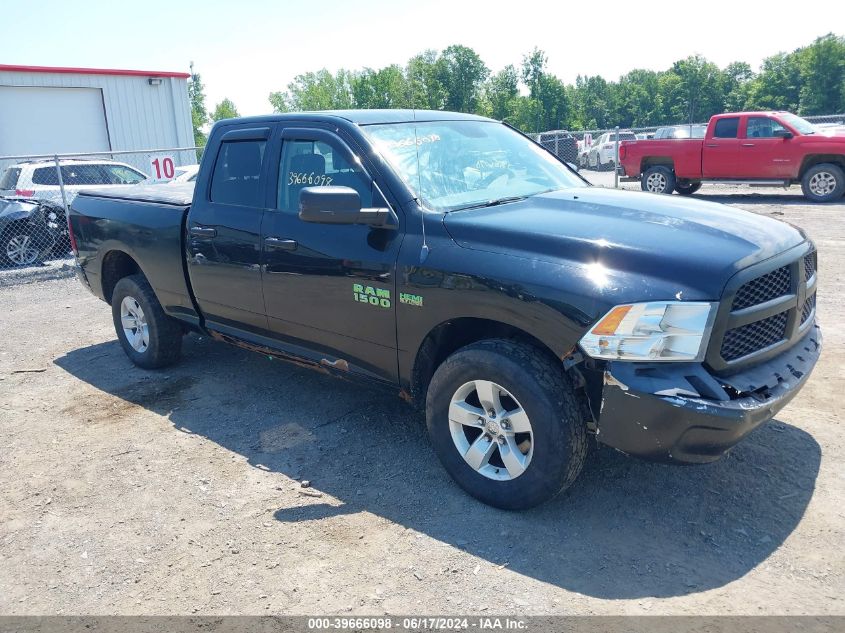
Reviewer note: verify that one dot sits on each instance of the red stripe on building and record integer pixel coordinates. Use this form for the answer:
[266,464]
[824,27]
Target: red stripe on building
[91,71]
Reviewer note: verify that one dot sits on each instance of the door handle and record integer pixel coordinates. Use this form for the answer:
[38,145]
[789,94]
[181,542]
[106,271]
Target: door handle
[202,231]
[748,144]
[712,145]
[280,243]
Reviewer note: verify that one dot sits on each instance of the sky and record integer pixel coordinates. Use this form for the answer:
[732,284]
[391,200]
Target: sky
[245,49]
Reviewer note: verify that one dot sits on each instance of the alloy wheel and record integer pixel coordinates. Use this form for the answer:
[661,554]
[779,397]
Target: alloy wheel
[491,430]
[134,324]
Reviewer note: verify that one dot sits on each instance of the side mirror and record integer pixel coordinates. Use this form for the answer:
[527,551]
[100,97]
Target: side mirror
[784,134]
[339,205]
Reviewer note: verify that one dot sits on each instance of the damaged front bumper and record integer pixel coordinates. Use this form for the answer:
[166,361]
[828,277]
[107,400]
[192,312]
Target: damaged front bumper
[680,412]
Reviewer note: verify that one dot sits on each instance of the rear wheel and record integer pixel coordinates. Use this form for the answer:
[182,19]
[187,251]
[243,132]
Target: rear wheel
[687,189]
[506,423]
[149,337]
[823,182]
[658,179]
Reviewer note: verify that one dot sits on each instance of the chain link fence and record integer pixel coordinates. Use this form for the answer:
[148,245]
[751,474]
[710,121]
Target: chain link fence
[35,192]
[595,149]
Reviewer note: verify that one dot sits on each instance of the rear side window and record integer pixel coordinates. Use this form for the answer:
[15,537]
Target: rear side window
[726,128]
[121,175]
[237,172]
[10,178]
[45,176]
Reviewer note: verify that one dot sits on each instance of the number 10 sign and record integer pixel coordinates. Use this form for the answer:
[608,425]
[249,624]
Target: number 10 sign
[162,167]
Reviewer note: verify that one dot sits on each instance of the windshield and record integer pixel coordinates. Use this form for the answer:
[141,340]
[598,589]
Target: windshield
[451,165]
[803,126]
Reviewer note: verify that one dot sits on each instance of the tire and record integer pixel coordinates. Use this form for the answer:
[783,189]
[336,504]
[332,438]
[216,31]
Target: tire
[161,343]
[551,455]
[688,189]
[823,182]
[19,246]
[658,179]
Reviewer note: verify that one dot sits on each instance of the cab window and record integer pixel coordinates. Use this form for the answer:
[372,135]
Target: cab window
[726,128]
[237,173]
[308,163]
[762,127]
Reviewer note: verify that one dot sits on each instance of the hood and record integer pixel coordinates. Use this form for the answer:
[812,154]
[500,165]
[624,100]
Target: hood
[699,244]
[15,207]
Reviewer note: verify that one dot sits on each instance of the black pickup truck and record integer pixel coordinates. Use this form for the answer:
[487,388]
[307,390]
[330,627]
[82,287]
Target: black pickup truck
[454,259]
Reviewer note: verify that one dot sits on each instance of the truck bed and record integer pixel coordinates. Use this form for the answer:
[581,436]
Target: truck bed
[179,195]
[684,154]
[148,223]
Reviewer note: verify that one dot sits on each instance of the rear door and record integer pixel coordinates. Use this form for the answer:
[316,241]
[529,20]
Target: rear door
[720,153]
[764,155]
[224,231]
[330,288]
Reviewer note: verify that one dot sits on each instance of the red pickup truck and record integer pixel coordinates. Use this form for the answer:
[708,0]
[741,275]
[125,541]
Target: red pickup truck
[757,148]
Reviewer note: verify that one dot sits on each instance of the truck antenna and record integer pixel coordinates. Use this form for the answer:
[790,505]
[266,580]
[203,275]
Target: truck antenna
[424,250]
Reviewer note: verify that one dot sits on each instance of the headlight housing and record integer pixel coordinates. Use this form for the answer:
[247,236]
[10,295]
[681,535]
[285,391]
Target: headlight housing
[654,331]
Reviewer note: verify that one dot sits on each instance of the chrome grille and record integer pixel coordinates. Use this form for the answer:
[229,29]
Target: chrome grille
[769,286]
[755,336]
[809,306]
[810,264]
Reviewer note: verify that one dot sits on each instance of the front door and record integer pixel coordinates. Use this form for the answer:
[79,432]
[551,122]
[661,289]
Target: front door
[224,233]
[764,154]
[330,287]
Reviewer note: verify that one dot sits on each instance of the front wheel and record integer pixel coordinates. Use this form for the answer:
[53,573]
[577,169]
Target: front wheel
[687,189]
[150,338]
[19,247]
[823,182]
[658,179]
[506,423]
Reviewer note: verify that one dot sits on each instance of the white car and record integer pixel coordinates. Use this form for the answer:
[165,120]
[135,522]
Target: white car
[602,153]
[39,179]
[186,173]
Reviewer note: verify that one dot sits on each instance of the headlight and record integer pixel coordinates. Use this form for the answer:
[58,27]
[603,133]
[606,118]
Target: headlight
[656,331]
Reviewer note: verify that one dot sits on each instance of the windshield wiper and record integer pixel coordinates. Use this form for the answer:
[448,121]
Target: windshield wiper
[491,203]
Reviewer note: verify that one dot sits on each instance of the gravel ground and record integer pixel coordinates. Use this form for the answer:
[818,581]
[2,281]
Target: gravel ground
[124,491]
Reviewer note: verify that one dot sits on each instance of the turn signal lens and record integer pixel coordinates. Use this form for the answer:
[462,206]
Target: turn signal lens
[611,320]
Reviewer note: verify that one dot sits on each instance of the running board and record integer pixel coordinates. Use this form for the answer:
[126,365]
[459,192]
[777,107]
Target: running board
[751,183]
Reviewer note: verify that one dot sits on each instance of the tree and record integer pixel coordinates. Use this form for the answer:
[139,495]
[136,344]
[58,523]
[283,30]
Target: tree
[319,90]
[551,107]
[199,115]
[822,68]
[385,88]
[736,85]
[426,91]
[501,92]
[461,72]
[224,110]
[778,86]
[698,94]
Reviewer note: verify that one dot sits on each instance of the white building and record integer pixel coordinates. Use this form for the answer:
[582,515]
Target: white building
[47,110]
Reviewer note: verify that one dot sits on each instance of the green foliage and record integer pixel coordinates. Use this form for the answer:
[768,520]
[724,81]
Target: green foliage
[461,73]
[199,115]
[810,80]
[224,110]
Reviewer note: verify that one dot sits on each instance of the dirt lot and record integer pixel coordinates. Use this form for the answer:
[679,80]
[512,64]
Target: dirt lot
[134,492]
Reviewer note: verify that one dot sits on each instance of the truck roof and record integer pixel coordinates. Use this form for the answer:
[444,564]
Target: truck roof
[365,117]
[749,113]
